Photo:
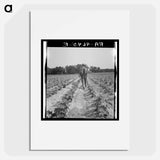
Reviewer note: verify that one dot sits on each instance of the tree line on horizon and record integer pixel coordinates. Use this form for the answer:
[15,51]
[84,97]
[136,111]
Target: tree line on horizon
[74,69]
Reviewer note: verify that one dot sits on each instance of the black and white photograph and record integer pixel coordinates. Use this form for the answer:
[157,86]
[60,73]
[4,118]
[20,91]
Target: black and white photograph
[79,79]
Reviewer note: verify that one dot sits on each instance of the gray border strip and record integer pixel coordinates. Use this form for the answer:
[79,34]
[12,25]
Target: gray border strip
[29,80]
[30,108]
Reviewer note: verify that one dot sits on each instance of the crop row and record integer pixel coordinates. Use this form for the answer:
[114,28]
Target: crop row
[99,107]
[56,83]
[106,82]
[62,106]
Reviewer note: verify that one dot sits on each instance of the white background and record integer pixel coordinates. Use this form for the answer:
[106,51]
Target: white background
[80,135]
[145,142]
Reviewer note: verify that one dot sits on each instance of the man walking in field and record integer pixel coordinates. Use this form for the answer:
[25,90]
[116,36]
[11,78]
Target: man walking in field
[83,75]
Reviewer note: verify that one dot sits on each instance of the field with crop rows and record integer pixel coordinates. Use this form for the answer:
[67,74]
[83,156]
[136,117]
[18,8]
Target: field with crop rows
[66,98]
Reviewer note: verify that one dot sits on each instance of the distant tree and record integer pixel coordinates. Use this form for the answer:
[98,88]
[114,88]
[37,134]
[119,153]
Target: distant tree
[78,67]
[71,69]
[56,70]
[94,69]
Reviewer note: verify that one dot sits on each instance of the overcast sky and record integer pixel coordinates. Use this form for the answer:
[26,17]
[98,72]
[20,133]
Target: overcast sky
[100,57]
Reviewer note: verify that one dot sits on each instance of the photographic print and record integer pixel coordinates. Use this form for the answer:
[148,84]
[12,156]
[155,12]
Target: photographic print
[79,79]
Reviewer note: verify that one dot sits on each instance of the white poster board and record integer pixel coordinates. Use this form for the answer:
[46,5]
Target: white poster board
[79,135]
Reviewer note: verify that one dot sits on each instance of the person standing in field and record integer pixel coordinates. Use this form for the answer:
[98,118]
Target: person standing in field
[83,76]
